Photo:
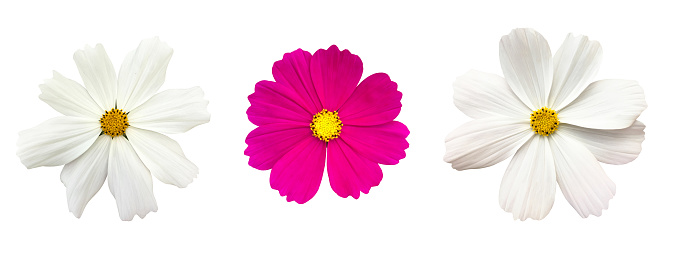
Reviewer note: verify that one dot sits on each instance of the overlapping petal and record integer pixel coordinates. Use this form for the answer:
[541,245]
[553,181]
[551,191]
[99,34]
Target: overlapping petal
[274,102]
[483,95]
[98,75]
[528,186]
[69,97]
[56,141]
[297,175]
[142,73]
[268,143]
[575,64]
[527,66]
[581,178]
[606,104]
[485,142]
[162,156]
[350,172]
[84,176]
[335,75]
[172,111]
[383,143]
[612,146]
[294,71]
[375,101]
[130,181]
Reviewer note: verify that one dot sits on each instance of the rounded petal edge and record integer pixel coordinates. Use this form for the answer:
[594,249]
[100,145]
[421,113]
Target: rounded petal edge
[335,75]
[606,104]
[172,111]
[375,101]
[526,62]
[485,142]
[484,95]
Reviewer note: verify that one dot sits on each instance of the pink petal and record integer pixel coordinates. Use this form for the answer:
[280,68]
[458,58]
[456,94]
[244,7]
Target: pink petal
[268,143]
[375,101]
[383,144]
[274,103]
[349,172]
[335,75]
[294,72]
[298,174]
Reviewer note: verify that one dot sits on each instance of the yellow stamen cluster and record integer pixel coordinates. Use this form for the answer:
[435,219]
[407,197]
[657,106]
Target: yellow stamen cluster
[544,121]
[114,122]
[326,125]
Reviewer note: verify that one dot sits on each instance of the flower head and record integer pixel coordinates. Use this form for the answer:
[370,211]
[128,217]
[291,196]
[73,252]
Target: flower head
[113,128]
[555,122]
[316,107]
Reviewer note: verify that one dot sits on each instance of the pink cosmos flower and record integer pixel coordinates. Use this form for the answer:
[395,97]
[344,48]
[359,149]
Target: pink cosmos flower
[316,107]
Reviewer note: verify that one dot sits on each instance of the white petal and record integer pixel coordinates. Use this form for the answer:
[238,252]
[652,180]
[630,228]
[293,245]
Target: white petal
[606,104]
[56,141]
[84,176]
[581,178]
[575,64]
[172,111]
[98,75]
[129,180]
[485,142]
[528,186]
[69,97]
[526,62]
[483,95]
[163,157]
[142,73]
[612,146]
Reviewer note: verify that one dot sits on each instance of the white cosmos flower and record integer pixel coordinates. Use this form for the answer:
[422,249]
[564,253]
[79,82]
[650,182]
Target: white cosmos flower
[578,124]
[113,128]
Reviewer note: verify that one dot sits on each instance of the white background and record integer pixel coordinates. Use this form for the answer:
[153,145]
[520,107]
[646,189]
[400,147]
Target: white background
[422,207]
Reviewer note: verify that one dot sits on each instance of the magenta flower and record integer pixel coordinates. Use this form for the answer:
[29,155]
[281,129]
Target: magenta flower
[316,106]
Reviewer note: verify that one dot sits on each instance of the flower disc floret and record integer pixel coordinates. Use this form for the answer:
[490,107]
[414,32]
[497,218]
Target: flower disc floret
[114,122]
[326,125]
[544,121]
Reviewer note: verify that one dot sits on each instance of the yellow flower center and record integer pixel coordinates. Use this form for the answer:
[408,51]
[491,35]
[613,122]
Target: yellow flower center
[544,121]
[114,122]
[326,125]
